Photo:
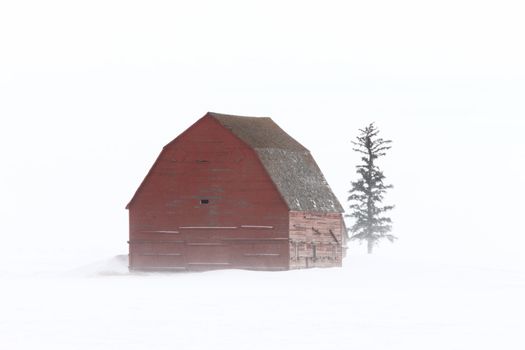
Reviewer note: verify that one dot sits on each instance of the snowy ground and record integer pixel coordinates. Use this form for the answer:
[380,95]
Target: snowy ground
[372,303]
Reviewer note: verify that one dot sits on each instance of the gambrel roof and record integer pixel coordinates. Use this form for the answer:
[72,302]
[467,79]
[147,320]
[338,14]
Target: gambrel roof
[289,164]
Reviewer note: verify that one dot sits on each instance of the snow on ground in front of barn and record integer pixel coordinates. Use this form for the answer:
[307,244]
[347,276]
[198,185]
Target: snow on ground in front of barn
[374,302]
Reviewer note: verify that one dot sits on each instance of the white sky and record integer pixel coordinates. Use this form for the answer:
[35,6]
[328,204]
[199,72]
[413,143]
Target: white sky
[91,91]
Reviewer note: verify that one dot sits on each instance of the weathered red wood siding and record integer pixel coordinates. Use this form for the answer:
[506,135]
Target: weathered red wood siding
[244,225]
[315,239]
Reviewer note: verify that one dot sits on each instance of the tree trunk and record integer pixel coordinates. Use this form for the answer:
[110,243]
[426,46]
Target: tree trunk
[370,246]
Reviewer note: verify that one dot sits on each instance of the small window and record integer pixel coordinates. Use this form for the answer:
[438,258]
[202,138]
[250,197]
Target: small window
[205,201]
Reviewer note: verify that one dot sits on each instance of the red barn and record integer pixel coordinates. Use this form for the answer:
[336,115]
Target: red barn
[234,192]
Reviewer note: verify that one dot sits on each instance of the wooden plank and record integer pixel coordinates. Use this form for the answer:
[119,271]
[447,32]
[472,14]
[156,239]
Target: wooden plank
[205,244]
[273,239]
[208,227]
[257,226]
[261,254]
[209,263]
[160,254]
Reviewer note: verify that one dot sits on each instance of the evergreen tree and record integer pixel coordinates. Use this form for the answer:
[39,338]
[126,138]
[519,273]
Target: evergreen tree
[366,194]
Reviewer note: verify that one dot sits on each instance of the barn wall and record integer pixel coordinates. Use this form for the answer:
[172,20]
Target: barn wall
[315,239]
[243,225]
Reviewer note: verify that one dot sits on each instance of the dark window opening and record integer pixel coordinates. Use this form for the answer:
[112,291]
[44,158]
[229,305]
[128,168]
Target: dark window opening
[205,201]
[202,161]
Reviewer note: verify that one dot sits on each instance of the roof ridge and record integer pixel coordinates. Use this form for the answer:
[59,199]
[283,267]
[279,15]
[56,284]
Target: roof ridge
[258,132]
[216,114]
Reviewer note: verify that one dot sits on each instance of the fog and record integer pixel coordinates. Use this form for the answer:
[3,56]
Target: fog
[89,94]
